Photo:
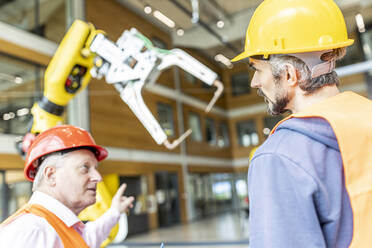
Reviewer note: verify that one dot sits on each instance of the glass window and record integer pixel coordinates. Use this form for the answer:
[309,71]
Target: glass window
[247,133]
[210,131]
[20,193]
[270,122]
[20,190]
[222,190]
[241,188]
[20,86]
[44,18]
[194,124]
[240,83]
[165,114]
[223,135]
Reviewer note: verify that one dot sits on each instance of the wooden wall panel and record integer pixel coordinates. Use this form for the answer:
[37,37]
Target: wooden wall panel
[239,170]
[209,169]
[200,169]
[203,148]
[240,100]
[114,124]
[182,195]
[11,161]
[153,217]
[239,151]
[24,53]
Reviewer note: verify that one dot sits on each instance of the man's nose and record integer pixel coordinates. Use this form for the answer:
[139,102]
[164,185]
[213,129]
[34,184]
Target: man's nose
[255,82]
[96,176]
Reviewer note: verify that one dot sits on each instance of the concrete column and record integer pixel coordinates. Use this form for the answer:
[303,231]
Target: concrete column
[78,108]
[186,196]
[234,193]
[5,197]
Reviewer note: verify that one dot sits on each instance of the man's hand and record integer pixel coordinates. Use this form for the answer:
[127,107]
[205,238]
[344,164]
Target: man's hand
[121,202]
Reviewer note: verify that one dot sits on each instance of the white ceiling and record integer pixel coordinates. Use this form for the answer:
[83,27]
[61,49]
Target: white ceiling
[228,40]
[235,14]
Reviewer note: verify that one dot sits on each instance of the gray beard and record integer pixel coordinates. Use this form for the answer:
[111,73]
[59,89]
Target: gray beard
[278,106]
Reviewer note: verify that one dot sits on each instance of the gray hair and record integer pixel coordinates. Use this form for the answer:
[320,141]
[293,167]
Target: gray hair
[305,82]
[54,160]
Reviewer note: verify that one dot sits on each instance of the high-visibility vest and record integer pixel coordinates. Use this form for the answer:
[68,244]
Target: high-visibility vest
[350,117]
[69,236]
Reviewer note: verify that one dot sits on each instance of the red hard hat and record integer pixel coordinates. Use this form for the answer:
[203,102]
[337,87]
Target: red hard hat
[59,138]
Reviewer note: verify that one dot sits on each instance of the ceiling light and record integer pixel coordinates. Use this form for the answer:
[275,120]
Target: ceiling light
[220,24]
[266,131]
[360,23]
[147,9]
[164,19]
[180,32]
[23,111]
[6,117]
[223,60]
[18,80]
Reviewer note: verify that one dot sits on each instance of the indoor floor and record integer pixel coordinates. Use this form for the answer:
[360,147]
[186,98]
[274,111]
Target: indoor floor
[227,230]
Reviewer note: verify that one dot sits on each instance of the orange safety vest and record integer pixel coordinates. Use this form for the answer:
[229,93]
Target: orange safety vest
[69,236]
[350,117]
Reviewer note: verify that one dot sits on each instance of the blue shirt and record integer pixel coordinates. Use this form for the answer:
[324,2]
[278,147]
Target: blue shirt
[297,189]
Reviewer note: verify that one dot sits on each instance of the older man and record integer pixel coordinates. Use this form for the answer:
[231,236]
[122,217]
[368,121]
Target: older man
[62,163]
[310,183]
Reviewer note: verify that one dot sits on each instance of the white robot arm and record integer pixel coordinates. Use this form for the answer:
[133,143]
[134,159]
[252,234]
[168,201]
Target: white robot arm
[133,62]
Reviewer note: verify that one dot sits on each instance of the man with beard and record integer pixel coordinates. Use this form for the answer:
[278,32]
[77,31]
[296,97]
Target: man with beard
[62,163]
[310,183]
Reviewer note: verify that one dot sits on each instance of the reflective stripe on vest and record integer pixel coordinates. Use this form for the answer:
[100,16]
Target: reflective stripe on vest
[350,117]
[69,236]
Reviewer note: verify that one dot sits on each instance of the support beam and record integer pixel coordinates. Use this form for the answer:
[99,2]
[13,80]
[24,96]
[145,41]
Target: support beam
[78,108]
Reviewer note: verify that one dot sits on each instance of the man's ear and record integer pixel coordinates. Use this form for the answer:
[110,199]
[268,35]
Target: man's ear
[50,175]
[291,75]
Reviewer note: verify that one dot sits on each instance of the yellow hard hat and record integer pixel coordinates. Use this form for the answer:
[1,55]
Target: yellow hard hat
[294,26]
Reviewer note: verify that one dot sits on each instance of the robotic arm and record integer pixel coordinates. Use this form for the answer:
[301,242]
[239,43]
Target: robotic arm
[132,62]
[128,64]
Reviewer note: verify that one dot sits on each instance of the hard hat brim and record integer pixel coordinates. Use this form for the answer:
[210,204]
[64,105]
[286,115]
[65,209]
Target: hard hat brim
[247,54]
[241,56]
